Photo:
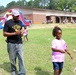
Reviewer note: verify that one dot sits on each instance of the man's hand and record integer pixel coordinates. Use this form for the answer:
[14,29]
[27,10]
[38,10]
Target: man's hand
[18,32]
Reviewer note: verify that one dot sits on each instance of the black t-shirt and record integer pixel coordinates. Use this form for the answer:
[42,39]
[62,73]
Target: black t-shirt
[12,26]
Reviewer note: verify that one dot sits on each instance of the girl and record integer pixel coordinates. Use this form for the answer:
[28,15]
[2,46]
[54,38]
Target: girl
[59,48]
[25,33]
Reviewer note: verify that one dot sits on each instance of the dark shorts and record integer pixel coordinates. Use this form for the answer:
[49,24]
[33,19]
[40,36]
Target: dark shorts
[57,65]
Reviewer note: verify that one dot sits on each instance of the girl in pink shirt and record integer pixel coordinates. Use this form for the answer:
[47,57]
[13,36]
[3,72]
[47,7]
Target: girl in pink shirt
[59,48]
[25,34]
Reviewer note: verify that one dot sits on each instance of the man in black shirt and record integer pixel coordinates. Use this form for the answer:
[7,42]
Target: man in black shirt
[12,30]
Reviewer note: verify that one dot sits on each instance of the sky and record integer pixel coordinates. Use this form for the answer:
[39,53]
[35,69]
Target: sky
[5,2]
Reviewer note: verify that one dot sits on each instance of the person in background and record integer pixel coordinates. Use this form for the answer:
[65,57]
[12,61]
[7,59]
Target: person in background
[59,48]
[12,30]
[25,33]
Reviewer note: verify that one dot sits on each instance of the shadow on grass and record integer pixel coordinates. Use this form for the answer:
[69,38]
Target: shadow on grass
[39,71]
[5,66]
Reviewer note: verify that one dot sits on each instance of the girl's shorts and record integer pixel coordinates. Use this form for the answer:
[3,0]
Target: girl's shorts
[57,65]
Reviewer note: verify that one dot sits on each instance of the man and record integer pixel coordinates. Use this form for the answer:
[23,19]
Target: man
[12,30]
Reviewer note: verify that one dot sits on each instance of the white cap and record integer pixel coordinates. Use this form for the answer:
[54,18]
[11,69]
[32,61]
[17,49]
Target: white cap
[15,12]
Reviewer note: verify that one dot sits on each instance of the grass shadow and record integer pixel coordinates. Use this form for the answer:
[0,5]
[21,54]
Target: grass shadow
[5,66]
[39,71]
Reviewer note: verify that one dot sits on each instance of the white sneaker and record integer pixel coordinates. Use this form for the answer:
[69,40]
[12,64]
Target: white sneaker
[74,70]
[13,73]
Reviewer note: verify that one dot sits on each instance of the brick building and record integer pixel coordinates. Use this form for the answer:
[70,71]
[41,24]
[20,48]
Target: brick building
[39,16]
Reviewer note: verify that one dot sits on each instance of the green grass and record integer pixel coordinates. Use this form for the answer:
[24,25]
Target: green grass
[37,52]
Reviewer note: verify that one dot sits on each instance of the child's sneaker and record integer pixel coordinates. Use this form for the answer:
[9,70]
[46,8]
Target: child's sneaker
[74,70]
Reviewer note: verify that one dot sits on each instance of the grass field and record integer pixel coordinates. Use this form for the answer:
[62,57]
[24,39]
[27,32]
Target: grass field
[37,51]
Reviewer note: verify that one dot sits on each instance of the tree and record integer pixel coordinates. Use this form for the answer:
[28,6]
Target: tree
[21,3]
[44,3]
[52,4]
[66,5]
[36,4]
[72,6]
[30,3]
[62,4]
[13,3]
[2,7]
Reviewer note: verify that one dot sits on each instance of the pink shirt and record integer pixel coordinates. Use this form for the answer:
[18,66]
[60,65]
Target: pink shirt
[25,32]
[61,45]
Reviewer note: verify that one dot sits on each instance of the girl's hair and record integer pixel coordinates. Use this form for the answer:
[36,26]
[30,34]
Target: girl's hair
[55,30]
[25,27]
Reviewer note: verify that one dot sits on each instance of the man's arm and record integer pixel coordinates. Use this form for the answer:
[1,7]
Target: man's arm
[7,34]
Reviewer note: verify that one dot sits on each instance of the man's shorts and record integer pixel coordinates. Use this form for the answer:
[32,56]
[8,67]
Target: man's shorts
[57,65]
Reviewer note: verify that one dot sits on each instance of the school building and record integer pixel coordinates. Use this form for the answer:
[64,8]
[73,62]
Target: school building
[39,16]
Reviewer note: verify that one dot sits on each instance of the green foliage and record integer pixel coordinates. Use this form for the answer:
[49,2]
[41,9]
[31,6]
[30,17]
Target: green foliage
[2,7]
[30,3]
[52,4]
[13,3]
[64,5]
[36,3]
[20,3]
[73,6]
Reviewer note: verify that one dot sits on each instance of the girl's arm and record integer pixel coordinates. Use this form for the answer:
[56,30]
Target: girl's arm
[57,50]
[69,54]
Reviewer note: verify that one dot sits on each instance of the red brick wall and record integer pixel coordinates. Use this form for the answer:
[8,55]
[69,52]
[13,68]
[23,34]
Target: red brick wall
[39,18]
[28,16]
[36,18]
